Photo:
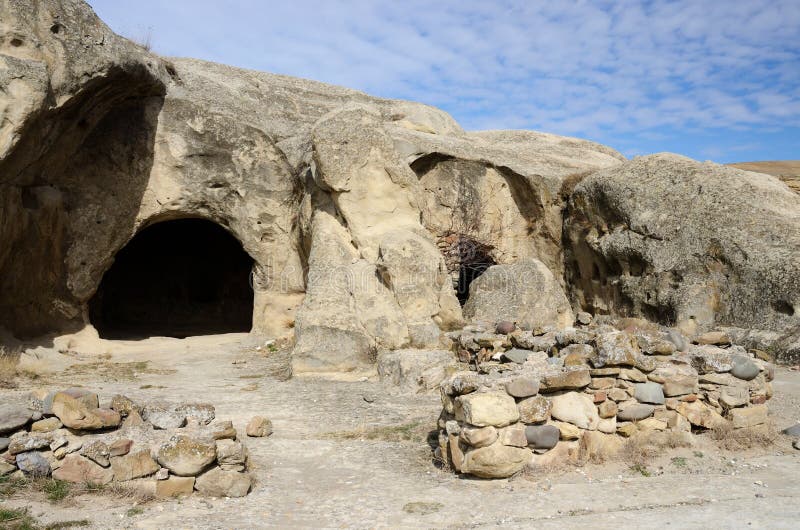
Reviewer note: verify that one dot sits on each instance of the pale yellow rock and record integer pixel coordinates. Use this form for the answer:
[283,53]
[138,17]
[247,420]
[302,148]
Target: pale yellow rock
[700,414]
[77,469]
[486,408]
[749,416]
[534,409]
[651,424]
[174,487]
[608,425]
[479,437]
[577,409]
[496,461]
[567,431]
[456,454]
[598,446]
[627,429]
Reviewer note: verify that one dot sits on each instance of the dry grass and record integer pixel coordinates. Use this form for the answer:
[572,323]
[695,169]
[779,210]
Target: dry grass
[760,436]
[8,368]
[58,491]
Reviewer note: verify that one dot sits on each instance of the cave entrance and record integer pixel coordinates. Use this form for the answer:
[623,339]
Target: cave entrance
[466,259]
[175,279]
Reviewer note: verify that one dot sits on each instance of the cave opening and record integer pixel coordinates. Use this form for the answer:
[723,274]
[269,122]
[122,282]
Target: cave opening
[176,278]
[466,259]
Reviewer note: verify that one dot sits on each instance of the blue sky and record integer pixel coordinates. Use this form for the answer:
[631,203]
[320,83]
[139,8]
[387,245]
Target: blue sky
[714,80]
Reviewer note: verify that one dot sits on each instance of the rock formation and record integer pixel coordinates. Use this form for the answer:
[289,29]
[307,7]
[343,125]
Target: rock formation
[366,219]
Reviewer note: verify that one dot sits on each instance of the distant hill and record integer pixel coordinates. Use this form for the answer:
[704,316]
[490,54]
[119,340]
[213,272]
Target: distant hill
[787,170]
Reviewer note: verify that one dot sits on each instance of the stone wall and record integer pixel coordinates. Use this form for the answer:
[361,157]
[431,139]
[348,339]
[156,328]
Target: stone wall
[545,395]
[163,449]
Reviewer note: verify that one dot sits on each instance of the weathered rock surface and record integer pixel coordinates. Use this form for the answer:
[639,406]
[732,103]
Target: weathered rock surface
[33,464]
[495,461]
[133,465]
[643,227]
[13,417]
[365,218]
[186,456]
[219,483]
[577,409]
[415,370]
[525,292]
[487,408]
[80,470]
[258,427]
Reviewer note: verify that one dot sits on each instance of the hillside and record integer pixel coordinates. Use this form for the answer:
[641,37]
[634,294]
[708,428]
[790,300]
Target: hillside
[786,170]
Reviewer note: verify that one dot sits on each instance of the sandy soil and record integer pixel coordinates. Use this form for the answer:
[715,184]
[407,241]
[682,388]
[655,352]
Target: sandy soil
[338,460]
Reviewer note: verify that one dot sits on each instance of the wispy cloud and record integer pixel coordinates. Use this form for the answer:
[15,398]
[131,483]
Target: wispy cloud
[614,71]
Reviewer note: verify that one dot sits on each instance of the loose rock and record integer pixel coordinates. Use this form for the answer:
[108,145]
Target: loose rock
[185,456]
[258,427]
[219,483]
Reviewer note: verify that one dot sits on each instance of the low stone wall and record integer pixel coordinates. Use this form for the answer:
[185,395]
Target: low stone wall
[161,448]
[537,397]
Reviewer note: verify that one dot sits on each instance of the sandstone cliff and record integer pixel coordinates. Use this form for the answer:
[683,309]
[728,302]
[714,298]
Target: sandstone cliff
[366,219]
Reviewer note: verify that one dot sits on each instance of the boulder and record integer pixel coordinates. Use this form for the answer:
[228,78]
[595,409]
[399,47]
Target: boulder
[482,409]
[74,414]
[85,397]
[258,427]
[522,387]
[23,442]
[542,436]
[97,452]
[415,370]
[608,425]
[133,465]
[124,405]
[478,436]
[495,461]
[645,223]
[203,413]
[607,409]
[220,430]
[744,417]
[599,446]
[567,431]
[701,415]
[79,470]
[733,396]
[218,483]
[513,435]
[744,368]
[175,487]
[6,468]
[230,452]
[570,379]
[534,409]
[33,464]
[46,425]
[615,348]
[186,456]
[649,393]
[13,418]
[525,292]
[163,415]
[577,409]
[120,447]
[635,412]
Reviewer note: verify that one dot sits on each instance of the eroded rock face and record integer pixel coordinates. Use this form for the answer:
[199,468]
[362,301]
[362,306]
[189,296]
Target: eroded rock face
[365,218]
[690,244]
[526,293]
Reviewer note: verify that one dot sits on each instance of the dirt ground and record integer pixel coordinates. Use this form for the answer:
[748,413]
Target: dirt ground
[353,453]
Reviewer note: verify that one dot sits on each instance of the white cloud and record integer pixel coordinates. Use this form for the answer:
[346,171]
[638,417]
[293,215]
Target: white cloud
[587,68]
